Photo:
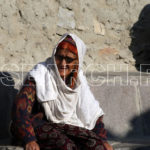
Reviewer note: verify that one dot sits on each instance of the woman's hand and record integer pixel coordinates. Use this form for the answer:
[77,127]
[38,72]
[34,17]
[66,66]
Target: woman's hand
[107,146]
[32,146]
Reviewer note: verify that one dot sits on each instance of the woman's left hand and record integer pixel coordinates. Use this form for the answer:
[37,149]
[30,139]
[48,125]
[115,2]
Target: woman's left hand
[107,146]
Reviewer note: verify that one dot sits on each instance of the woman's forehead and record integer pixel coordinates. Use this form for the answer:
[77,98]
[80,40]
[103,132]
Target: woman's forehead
[67,52]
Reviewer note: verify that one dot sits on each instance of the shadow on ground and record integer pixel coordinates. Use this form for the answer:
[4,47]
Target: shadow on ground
[7,95]
[138,138]
[140,127]
[140,43]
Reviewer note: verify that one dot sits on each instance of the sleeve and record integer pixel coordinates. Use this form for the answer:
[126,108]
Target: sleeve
[21,113]
[100,130]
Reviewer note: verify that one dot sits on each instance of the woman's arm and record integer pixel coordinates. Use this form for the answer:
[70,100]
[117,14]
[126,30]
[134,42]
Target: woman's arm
[100,131]
[21,113]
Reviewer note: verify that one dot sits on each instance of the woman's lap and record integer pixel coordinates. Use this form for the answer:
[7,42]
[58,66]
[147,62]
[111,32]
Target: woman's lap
[54,136]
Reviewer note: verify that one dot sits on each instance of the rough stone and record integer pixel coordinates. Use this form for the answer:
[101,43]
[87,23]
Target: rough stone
[108,51]
[66,4]
[30,29]
[66,18]
[99,28]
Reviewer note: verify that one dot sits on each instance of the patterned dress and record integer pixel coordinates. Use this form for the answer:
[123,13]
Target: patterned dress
[30,124]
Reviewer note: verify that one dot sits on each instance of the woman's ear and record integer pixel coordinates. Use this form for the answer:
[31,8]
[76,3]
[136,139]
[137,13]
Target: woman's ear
[77,61]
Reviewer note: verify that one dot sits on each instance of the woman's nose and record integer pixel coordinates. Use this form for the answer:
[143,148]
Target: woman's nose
[63,62]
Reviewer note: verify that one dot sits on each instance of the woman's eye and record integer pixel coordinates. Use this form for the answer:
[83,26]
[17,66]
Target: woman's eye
[59,57]
[69,60]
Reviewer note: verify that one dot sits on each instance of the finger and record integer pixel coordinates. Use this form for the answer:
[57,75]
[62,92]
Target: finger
[37,147]
[30,147]
[27,147]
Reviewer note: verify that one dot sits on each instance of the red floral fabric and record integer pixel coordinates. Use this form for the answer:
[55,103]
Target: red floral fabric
[28,121]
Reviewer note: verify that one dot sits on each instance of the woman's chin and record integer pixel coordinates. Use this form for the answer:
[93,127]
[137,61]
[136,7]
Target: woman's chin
[63,75]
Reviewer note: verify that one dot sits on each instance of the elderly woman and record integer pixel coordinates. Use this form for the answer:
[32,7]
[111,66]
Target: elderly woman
[55,108]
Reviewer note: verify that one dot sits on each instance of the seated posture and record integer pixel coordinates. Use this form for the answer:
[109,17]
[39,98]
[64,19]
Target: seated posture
[55,109]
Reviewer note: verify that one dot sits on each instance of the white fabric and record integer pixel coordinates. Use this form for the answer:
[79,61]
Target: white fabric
[62,104]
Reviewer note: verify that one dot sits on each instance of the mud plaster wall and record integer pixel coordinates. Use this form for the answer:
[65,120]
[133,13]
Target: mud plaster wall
[29,29]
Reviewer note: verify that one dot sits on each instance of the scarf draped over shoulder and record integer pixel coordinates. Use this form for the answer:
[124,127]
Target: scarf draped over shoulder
[61,103]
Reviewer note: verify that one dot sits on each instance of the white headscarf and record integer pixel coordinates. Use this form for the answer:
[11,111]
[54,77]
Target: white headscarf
[61,103]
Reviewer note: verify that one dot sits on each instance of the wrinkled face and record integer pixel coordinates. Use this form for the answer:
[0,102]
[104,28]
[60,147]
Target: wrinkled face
[66,62]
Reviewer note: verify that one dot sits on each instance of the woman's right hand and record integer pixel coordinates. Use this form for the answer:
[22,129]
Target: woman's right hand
[32,146]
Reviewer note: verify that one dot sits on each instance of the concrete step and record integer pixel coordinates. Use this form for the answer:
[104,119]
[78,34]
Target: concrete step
[9,147]
[132,144]
[117,146]
[125,102]
[132,147]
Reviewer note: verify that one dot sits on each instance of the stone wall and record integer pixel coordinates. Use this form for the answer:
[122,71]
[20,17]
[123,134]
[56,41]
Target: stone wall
[29,29]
